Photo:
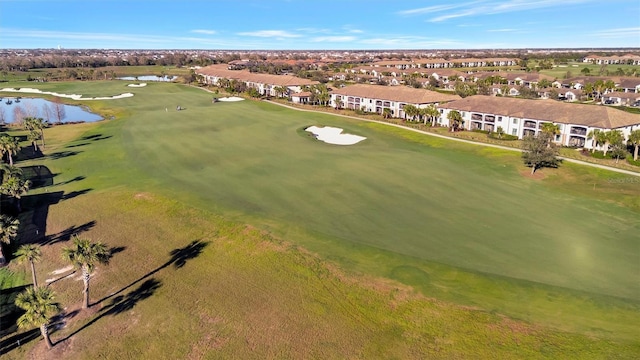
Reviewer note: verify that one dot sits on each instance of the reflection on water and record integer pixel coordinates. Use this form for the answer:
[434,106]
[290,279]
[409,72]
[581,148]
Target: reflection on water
[12,108]
[148,78]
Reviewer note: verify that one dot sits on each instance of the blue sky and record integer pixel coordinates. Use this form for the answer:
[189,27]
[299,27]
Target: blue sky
[317,25]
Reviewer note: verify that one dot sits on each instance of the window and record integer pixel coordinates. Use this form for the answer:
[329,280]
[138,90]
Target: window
[514,132]
[515,121]
[500,118]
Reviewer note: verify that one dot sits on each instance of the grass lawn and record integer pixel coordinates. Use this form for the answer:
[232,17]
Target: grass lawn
[304,249]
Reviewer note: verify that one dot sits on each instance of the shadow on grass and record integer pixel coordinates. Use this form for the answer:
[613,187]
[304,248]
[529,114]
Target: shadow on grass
[33,220]
[77,178]
[122,303]
[9,312]
[28,153]
[17,340]
[178,258]
[77,145]
[73,194]
[65,235]
[95,137]
[63,154]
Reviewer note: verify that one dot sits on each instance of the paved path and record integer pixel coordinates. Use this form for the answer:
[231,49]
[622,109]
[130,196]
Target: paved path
[622,171]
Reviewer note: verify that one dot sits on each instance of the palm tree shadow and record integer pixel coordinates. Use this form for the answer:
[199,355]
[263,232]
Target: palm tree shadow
[178,258]
[122,303]
[66,234]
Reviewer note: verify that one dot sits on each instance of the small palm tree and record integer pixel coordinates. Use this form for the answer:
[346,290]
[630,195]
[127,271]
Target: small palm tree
[8,232]
[432,113]
[36,127]
[9,145]
[84,255]
[32,254]
[456,119]
[15,186]
[40,306]
[499,132]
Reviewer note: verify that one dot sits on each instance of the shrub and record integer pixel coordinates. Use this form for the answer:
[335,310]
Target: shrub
[504,137]
[600,155]
[632,162]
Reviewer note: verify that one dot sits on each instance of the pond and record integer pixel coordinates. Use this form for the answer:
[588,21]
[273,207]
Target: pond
[12,108]
[148,78]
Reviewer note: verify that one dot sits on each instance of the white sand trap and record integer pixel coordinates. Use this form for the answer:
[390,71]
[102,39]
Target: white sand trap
[137,85]
[332,135]
[70,96]
[62,271]
[232,98]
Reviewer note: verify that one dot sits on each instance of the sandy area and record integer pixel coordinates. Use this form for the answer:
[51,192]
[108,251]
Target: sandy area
[70,96]
[232,98]
[137,85]
[332,135]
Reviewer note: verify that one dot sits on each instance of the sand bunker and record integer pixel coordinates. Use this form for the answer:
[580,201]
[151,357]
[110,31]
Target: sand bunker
[332,135]
[137,85]
[71,96]
[233,98]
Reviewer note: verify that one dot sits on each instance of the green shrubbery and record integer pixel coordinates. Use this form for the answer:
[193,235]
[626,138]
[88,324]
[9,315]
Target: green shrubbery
[503,137]
[633,162]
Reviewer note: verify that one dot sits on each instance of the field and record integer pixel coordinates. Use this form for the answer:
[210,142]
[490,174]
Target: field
[401,246]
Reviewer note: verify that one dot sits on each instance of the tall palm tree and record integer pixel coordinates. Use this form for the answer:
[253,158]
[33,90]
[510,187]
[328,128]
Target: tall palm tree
[32,254]
[634,139]
[36,126]
[432,113]
[8,231]
[9,145]
[411,111]
[15,186]
[84,255]
[595,135]
[40,306]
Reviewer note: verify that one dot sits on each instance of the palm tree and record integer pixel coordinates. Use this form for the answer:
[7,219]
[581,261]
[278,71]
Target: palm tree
[613,137]
[500,132]
[84,255]
[36,125]
[33,137]
[432,113]
[551,129]
[595,135]
[40,306]
[455,119]
[32,254]
[7,171]
[634,139]
[9,145]
[15,186]
[411,111]
[8,231]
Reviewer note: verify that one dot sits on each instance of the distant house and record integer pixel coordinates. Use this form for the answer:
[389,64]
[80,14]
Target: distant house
[520,117]
[301,97]
[376,98]
[631,85]
[620,98]
[265,84]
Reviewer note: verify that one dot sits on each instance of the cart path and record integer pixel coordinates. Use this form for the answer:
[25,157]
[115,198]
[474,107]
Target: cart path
[622,171]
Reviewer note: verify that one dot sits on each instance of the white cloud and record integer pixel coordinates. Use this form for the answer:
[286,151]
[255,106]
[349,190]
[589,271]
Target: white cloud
[269,33]
[484,7]
[206,32]
[619,33]
[334,39]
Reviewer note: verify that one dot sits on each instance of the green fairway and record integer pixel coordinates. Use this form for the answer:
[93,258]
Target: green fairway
[457,222]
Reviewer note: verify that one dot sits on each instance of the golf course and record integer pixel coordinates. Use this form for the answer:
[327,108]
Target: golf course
[235,233]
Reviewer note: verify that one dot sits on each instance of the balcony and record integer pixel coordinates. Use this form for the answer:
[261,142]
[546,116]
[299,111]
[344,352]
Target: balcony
[575,130]
[530,124]
[477,117]
[577,141]
[490,118]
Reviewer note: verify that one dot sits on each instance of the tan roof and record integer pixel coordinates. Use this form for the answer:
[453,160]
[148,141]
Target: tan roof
[604,117]
[395,93]
[245,75]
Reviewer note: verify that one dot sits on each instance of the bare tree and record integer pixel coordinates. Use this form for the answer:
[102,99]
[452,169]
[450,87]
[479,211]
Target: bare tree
[18,115]
[3,116]
[59,112]
[30,110]
[46,112]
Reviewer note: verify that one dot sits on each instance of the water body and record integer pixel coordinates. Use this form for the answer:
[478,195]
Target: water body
[34,107]
[148,78]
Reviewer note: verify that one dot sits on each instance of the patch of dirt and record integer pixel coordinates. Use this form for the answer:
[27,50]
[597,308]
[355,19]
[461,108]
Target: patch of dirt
[143,196]
[538,175]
